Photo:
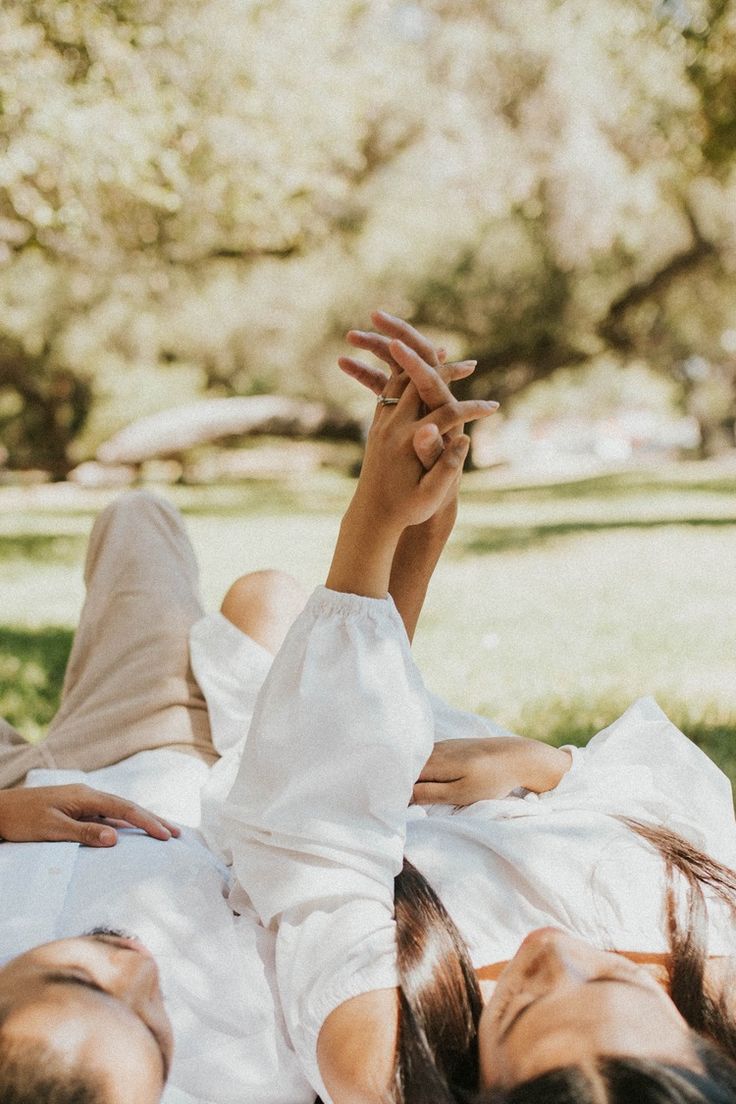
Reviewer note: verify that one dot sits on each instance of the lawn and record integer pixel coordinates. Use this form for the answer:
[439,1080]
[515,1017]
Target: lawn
[554,607]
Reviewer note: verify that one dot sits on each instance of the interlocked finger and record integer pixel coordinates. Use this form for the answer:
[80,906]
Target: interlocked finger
[376,380]
[397,328]
[376,344]
[453,414]
[366,374]
[430,387]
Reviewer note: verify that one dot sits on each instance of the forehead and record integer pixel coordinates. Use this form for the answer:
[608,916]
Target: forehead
[596,1021]
[91,1031]
[77,1022]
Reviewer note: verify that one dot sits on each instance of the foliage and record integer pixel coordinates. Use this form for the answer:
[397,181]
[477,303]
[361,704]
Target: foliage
[198,196]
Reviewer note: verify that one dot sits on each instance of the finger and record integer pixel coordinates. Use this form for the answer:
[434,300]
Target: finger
[372,378]
[88,833]
[375,379]
[457,370]
[453,414]
[376,344]
[397,328]
[433,793]
[431,388]
[117,808]
[436,483]
[442,355]
[428,445]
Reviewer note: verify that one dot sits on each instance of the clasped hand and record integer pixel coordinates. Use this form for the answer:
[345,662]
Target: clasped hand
[461,772]
[75,813]
[395,487]
[416,448]
[412,464]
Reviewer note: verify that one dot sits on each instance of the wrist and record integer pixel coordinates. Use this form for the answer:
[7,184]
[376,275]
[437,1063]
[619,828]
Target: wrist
[364,553]
[545,766]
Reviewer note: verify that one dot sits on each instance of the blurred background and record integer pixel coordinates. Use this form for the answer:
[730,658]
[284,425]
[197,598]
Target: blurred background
[198,198]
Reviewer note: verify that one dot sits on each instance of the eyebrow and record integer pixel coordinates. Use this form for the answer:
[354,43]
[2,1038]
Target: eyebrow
[59,977]
[593,981]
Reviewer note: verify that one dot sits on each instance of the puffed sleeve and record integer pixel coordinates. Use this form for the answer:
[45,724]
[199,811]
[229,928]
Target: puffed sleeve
[317,815]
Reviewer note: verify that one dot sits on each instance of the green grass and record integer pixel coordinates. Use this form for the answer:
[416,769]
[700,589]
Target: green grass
[32,666]
[554,607]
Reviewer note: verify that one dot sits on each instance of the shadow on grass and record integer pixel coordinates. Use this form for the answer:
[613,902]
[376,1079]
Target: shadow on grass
[271,498]
[32,664]
[481,541]
[612,485]
[564,723]
[41,548]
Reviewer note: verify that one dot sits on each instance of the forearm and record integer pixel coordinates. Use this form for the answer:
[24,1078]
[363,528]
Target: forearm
[417,554]
[364,553]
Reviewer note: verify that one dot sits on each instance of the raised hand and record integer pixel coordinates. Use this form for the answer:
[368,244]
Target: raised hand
[75,813]
[394,490]
[393,481]
[409,355]
[429,444]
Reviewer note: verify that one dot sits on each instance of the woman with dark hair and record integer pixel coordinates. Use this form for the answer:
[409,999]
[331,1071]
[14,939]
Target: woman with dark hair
[557,925]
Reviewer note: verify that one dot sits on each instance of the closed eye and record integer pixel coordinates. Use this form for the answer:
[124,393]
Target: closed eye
[592,981]
[60,977]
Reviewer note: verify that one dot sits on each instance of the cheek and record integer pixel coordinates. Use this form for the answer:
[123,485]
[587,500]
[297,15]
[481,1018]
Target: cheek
[491,1056]
[133,1073]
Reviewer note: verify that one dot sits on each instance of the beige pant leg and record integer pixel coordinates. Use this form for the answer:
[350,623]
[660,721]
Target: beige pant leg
[129,686]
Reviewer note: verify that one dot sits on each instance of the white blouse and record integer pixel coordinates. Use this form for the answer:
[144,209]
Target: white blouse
[217,968]
[319,821]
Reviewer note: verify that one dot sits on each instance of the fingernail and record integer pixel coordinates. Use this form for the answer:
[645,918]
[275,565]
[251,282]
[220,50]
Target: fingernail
[107,836]
[491,405]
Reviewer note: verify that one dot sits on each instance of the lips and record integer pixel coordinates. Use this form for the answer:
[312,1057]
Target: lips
[128,944]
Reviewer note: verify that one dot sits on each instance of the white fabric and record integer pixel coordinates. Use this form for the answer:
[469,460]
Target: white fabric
[217,969]
[318,821]
[230,669]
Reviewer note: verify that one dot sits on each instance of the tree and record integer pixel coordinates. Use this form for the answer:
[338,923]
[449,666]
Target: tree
[197,197]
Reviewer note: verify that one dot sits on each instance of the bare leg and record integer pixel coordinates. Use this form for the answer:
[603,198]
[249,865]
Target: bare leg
[263,605]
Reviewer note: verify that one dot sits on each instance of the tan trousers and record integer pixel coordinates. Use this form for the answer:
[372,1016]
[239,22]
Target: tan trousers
[128,686]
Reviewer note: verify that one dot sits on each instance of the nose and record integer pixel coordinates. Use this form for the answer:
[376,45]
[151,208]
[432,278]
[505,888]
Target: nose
[554,954]
[542,937]
[135,974]
[544,942]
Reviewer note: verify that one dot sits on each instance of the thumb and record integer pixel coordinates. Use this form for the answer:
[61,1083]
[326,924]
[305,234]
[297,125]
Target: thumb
[432,793]
[438,479]
[428,445]
[90,834]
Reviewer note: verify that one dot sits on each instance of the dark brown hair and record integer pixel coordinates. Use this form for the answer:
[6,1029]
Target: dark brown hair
[32,1073]
[439,1000]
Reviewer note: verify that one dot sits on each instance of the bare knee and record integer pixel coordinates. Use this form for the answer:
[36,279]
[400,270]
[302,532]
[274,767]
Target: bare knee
[264,604]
